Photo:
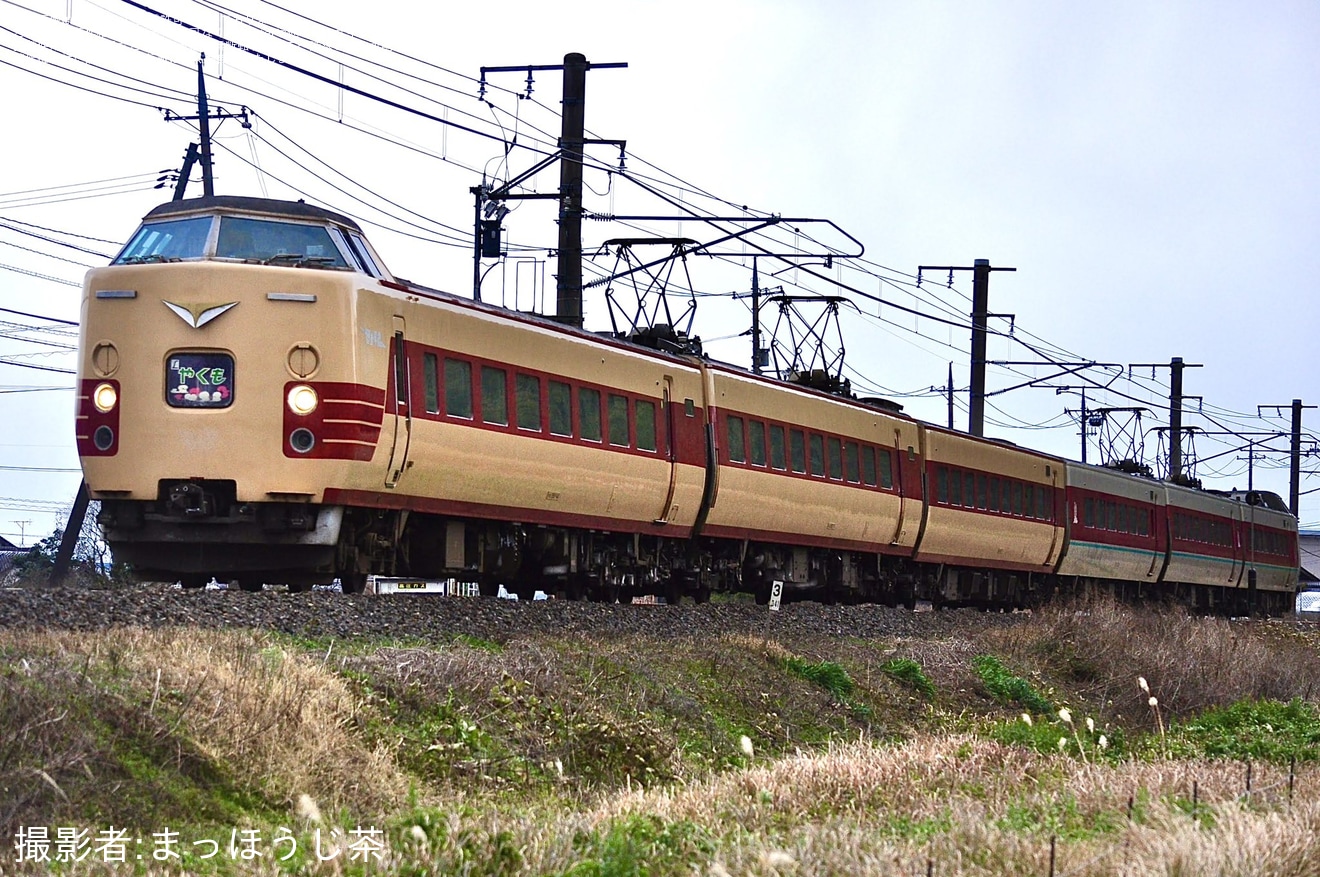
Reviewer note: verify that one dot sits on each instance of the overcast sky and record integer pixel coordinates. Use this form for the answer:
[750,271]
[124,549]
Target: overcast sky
[1149,169]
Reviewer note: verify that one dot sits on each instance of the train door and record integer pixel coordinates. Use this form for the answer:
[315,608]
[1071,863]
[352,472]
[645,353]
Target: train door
[1242,537]
[1160,551]
[398,406]
[668,446]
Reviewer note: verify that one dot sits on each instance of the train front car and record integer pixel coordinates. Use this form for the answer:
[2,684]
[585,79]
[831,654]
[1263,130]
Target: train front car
[216,348]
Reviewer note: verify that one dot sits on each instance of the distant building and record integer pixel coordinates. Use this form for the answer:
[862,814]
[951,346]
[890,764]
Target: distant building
[9,552]
[1308,598]
[1309,555]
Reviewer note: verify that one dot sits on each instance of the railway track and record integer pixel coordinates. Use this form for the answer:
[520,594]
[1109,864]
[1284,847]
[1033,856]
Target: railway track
[327,615]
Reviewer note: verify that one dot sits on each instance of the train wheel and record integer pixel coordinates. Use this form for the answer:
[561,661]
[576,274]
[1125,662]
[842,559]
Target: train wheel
[353,582]
[252,582]
[194,581]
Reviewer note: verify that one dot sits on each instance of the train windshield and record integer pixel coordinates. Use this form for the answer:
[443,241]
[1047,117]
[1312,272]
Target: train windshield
[271,242]
[241,238]
[168,241]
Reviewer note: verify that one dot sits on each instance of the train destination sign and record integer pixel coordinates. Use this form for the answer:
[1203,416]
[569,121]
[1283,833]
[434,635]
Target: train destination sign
[199,380]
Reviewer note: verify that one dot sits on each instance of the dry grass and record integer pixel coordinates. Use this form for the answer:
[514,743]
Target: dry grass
[118,708]
[247,701]
[278,723]
[977,808]
[1099,647]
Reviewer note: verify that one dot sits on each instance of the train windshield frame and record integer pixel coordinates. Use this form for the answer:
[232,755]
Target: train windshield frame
[247,239]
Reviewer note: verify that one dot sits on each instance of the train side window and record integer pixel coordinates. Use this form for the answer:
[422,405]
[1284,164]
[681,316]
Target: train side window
[797,443]
[850,463]
[1144,522]
[737,447]
[527,392]
[1088,512]
[1042,503]
[817,456]
[458,388]
[955,487]
[589,414]
[619,421]
[942,484]
[777,447]
[645,413]
[561,408]
[494,396]
[969,490]
[1111,516]
[431,378]
[1015,497]
[886,469]
[835,447]
[868,466]
[980,491]
[1028,501]
[756,442]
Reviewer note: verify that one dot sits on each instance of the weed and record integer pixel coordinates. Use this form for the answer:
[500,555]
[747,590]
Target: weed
[638,845]
[827,674]
[1267,730]
[1007,688]
[909,673]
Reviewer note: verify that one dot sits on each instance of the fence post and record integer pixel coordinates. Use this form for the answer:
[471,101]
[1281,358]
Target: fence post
[1248,792]
[1292,774]
[1052,842]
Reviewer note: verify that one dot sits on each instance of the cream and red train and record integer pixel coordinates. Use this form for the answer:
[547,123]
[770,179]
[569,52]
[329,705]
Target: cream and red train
[261,401]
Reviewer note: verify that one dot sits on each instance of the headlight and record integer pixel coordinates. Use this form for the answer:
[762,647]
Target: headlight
[302,400]
[105,397]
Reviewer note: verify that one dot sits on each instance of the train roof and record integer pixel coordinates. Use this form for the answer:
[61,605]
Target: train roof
[240,204]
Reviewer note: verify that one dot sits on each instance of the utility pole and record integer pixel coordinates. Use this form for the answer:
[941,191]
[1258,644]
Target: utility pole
[756,319]
[72,529]
[1295,477]
[568,298]
[203,120]
[980,314]
[949,387]
[1175,367]
[189,159]
[572,142]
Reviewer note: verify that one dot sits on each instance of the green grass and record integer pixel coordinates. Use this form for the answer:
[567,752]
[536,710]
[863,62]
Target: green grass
[908,672]
[638,846]
[1267,730]
[1007,688]
[827,674]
